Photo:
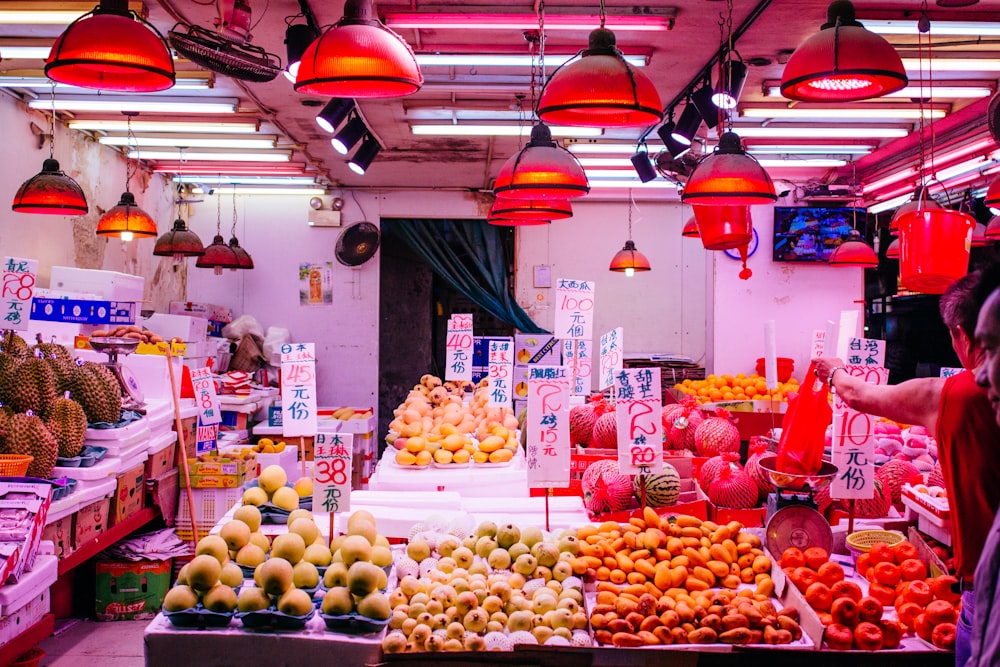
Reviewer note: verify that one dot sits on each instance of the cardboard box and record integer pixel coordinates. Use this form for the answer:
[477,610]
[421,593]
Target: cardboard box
[219,472]
[162,461]
[90,522]
[83,312]
[19,493]
[15,624]
[130,590]
[190,435]
[130,495]
[60,533]
[209,311]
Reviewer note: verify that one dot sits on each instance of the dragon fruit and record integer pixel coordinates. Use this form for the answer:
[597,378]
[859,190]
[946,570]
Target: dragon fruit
[716,435]
[711,468]
[581,422]
[758,450]
[605,434]
[605,488]
[936,477]
[894,474]
[733,488]
[877,506]
[680,427]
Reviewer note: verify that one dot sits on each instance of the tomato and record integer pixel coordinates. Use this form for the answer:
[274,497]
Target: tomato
[907,614]
[792,557]
[847,589]
[943,636]
[887,573]
[830,573]
[839,637]
[815,557]
[819,597]
[913,569]
[939,612]
[844,611]
[868,636]
[869,610]
[892,633]
[881,553]
[886,595]
[904,551]
[919,592]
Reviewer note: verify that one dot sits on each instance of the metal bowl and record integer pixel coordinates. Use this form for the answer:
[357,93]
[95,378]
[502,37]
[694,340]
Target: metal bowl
[117,344]
[793,482]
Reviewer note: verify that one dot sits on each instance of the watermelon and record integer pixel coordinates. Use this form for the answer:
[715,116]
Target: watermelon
[605,435]
[758,450]
[895,473]
[605,487]
[684,420]
[877,506]
[581,425]
[662,489]
[711,468]
[733,488]
[936,477]
[717,434]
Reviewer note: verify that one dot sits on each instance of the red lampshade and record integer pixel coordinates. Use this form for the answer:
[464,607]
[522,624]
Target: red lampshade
[628,260]
[992,198]
[993,229]
[50,191]
[843,62]
[541,170]
[892,252]
[729,177]
[243,258]
[111,48]
[545,210]
[126,220]
[979,239]
[921,201]
[691,229]
[517,222]
[600,90]
[179,242]
[723,227]
[218,256]
[358,57]
[854,252]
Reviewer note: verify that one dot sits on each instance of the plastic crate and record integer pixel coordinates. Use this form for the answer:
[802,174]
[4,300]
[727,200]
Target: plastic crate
[210,506]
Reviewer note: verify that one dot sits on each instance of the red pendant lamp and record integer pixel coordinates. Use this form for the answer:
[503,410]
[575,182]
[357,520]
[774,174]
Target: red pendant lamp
[600,90]
[541,170]
[729,176]
[50,191]
[628,260]
[843,62]
[524,211]
[993,229]
[179,242]
[892,252]
[691,229]
[358,57]
[126,220]
[853,251]
[111,48]
[243,258]
[723,227]
[218,256]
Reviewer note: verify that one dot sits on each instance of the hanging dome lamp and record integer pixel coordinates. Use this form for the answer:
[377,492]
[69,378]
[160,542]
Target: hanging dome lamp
[690,229]
[541,170]
[518,212]
[218,256]
[843,62]
[358,57]
[126,220]
[993,229]
[892,252]
[179,242]
[853,251]
[729,176]
[628,260]
[50,191]
[111,48]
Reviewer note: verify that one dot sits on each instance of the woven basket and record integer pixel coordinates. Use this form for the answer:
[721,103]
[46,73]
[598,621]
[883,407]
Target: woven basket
[14,465]
[861,542]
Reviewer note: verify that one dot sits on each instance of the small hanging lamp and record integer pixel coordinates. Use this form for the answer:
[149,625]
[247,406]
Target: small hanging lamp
[243,258]
[541,170]
[218,255]
[126,220]
[111,48]
[690,230]
[993,229]
[843,62]
[179,242]
[628,260]
[729,176]
[358,57]
[892,252]
[853,251]
[600,89]
[524,210]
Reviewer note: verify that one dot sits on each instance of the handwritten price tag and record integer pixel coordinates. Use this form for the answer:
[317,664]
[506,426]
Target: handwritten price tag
[577,354]
[612,346]
[19,276]
[638,411]
[298,389]
[853,443]
[205,397]
[574,309]
[332,458]
[548,427]
[458,348]
[500,371]
[865,352]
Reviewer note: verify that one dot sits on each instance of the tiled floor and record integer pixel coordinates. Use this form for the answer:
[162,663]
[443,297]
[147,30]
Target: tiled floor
[85,643]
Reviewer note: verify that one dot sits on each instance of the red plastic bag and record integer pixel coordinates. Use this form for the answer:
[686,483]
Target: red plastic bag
[803,429]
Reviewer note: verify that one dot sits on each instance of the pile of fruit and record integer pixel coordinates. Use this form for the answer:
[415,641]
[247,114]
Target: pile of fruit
[607,489]
[272,489]
[268,446]
[357,574]
[739,387]
[435,425]
[347,414]
[497,587]
[894,442]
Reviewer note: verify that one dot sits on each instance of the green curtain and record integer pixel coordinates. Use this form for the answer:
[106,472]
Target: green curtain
[470,256]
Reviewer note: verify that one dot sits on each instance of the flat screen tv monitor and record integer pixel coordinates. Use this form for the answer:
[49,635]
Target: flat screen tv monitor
[812,233]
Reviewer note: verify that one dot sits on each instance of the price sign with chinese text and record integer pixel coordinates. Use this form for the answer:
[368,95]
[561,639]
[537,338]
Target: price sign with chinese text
[500,370]
[458,348]
[547,452]
[612,350]
[298,389]
[638,411]
[865,352]
[332,457]
[853,443]
[577,354]
[205,397]
[818,343]
[574,309]
[19,277]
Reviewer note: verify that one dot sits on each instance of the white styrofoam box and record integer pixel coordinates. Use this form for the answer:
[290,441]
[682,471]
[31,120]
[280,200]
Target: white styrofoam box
[123,433]
[288,460]
[207,310]
[109,466]
[123,446]
[109,285]
[34,584]
[25,617]
[64,333]
[160,442]
[87,491]
[159,417]
[188,328]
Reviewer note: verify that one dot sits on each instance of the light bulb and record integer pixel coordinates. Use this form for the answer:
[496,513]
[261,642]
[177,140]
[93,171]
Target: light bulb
[127,236]
[629,272]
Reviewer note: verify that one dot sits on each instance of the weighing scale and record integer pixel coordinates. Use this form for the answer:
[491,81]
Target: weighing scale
[792,517]
[132,396]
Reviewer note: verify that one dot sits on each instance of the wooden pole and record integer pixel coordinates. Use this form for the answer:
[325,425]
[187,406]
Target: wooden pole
[548,492]
[331,530]
[181,446]
[302,452]
[850,517]
[642,491]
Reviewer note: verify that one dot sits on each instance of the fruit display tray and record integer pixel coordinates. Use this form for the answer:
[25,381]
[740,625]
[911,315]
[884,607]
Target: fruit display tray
[198,617]
[938,507]
[89,456]
[354,624]
[272,619]
[270,513]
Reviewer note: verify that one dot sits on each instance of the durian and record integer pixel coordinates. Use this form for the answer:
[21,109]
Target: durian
[68,424]
[26,434]
[97,391]
[13,344]
[63,371]
[52,350]
[31,386]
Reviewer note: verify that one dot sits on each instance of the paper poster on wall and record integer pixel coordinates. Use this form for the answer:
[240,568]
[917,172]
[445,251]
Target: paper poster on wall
[638,412]
[458,348]
[332,458]
[574,309]
[298,389]
[500,371]
[578,357]
[19,276]
[612,356]
[316,284]
[547,453]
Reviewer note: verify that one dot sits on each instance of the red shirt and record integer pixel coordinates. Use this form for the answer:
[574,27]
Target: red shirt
[969,449]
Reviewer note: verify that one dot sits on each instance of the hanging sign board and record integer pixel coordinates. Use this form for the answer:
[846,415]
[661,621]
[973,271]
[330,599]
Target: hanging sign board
[298,389]
[19,276]
[577,354]
[205,397]
[332,457]
[574,309]
[865,352]
[458,348]
[854,443]
[612,346]
[500,369]
[548,427]
[638,411]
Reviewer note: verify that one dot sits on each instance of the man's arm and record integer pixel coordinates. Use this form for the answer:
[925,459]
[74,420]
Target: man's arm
[912,402]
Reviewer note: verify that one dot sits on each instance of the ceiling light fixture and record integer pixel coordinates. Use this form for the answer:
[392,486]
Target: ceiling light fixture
[541,170]
[269,169]
[853,251]
[334,113]
[117,103]
[628,260]
[730,86]
[666,132]
[529,211]
[298,37]
[661,21]
[813,114]
[643,167]
[126,220]
[687,125]
[707,109]
[359,57]
[164,126]
[941,28]
[179,242]
[660,183]
[50,13]
[349,135]
[914,90]
[772,132]
[41,83]
[500,131]
[843,62]
[112,48]
[502,60]
[690,230]
[993,229]
[892,251]
[220,156]
[170,139]
[729,176]
[235,179]
[365,155]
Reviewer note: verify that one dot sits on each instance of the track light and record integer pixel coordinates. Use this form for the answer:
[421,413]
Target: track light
[730,86]
[643,167]
[675,147]
[298,37]
[349,135]
[687,125]
[334,113]
[702,99]
[365,155]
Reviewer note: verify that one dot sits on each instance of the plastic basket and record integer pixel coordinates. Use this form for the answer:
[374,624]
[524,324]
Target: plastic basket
[35,655]
[862,541]
[14,465]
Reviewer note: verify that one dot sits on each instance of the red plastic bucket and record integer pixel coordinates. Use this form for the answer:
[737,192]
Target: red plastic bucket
[786,366]
[934,249]
[723,227]
[29,659]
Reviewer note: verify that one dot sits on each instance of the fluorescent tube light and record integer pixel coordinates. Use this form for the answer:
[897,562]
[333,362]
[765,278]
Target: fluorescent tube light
[913,91]
[810,149]
[889,204]
[194,169]
[497,21]
[610,173]
[632,184]
[26,52]
[952,65]
[504,60]
[263,156]
[821,132]
[247,180]
[164,126]
[118,103]
[806,162]
[975,164]
[938,28]
[50,13]
[41,83]
[500,131]
[870,113]
[601,148]
[182,141]
[268,190]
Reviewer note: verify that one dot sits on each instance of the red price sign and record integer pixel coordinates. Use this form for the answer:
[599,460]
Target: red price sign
[298,389]
[332,458]
[19,277]
[547,452]
[639,406]
[205,397]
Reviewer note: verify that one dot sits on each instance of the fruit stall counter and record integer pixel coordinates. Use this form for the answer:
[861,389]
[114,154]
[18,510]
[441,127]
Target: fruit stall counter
[471,479]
